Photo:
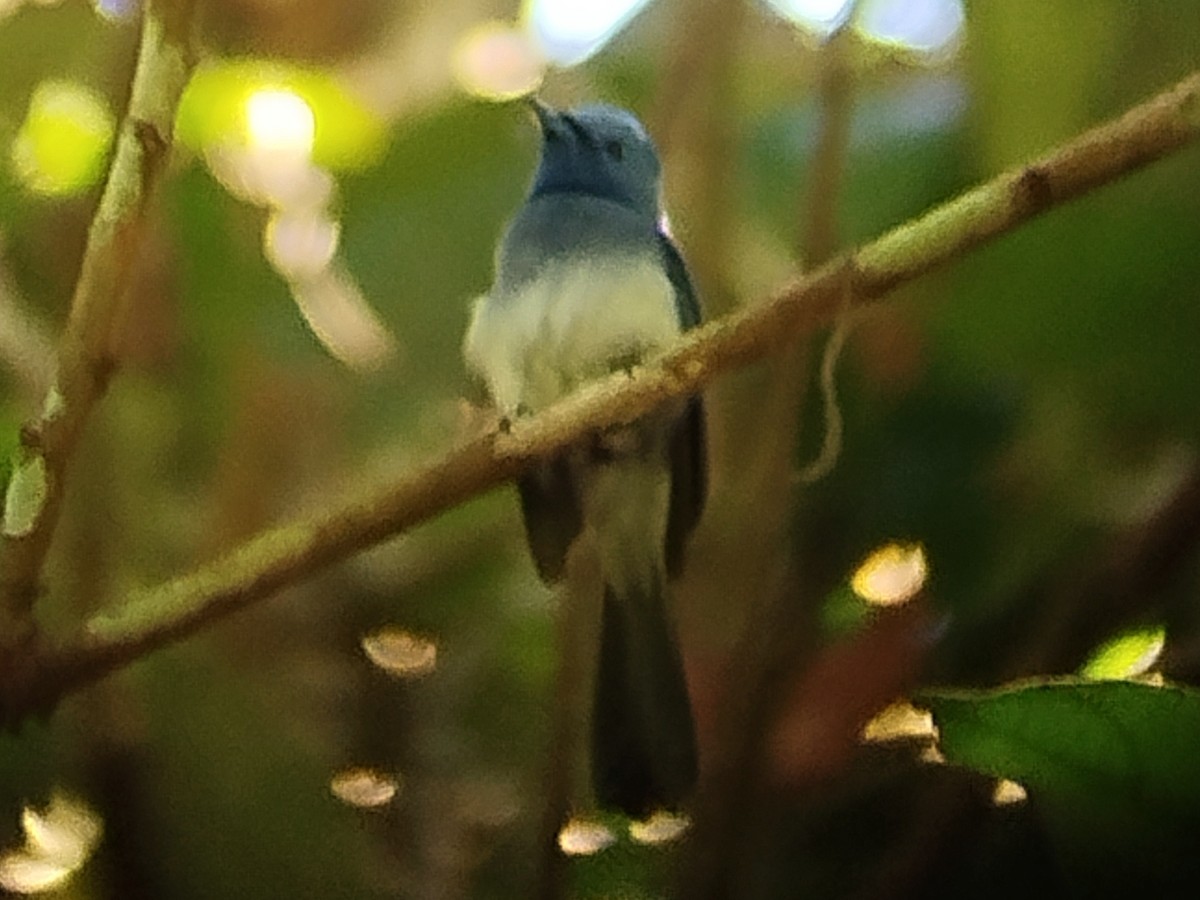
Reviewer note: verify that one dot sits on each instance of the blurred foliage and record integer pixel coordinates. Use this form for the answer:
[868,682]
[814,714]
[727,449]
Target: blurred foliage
[1027,415]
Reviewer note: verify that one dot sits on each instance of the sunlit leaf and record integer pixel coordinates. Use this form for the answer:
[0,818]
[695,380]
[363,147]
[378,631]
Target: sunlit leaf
[1127,655]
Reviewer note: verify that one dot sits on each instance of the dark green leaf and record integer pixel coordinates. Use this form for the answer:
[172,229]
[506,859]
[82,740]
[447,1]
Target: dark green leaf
[1112,766]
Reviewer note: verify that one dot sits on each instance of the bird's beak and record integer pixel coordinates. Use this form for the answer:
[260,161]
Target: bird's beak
[545,115]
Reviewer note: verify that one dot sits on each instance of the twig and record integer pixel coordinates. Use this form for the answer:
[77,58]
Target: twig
[85,359]
[285,555]
[821,235]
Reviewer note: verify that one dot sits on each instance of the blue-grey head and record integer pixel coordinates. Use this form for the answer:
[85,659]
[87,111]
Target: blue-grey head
[601,151]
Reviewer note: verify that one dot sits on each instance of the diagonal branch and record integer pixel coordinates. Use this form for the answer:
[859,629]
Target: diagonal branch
[85,361]
[285,555]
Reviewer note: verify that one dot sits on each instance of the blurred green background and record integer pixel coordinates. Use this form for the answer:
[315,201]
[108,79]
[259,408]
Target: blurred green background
[1029,415]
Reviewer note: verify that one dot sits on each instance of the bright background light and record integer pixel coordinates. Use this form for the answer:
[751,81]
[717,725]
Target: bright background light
[583,837]
[248,101]
[928,26]
[569,31]
[117,9]
[891,575]
[820,16]
[498,61]
[279,119]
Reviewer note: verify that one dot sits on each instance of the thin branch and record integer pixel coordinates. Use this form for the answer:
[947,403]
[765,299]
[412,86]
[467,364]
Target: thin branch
[821,236]
[85,361]
[281,556]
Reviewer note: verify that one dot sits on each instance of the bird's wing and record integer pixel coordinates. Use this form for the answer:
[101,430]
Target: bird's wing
[688,451]
[550,507]
[687,306]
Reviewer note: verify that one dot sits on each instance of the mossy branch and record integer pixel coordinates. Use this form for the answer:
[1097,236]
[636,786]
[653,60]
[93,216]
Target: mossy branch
[85,358]
[282,556]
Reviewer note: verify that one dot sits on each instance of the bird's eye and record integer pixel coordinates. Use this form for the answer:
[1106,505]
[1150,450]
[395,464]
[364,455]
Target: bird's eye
[615,149]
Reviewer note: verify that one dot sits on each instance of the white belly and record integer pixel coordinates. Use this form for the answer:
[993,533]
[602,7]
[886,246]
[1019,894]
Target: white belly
[577,321]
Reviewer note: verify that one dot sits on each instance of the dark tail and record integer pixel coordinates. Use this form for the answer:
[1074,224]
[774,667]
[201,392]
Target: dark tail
[643,737]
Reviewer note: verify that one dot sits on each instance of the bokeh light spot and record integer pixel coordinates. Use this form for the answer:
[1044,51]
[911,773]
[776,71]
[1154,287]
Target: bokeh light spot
[280,120]
[498,62]
[300,245]
[117,10]
[401,653]
[364,788]
[215,111]
[61,146]
[926,26]
[891,575]
[343,321]
[660,828]
[1008,793]
[583,837]
[569,31]
[58,842]
[899,721]
[932,755]
[818,16]
[282,181]
[1128,655]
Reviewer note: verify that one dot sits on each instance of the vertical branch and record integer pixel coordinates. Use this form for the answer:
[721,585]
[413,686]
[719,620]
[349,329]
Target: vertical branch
[821,239]
[774,627]
[85,357]
[695,124]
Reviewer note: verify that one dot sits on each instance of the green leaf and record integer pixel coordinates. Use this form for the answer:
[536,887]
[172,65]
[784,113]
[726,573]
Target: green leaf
[1111,766]
[1127,655]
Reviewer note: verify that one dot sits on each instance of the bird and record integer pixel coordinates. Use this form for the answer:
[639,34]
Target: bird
[587,282]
